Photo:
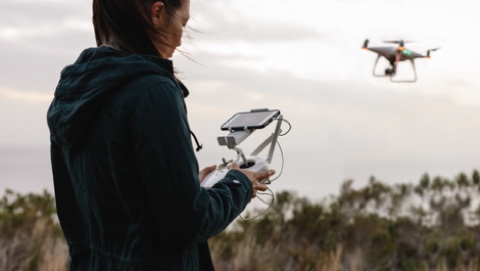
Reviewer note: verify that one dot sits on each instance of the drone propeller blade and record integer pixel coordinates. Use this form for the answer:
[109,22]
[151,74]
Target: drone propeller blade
[399,41]
[365,44]
[431,50]
[392,41]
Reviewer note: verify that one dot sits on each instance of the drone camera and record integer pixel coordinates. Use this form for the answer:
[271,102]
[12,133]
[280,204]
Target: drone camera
[388,71]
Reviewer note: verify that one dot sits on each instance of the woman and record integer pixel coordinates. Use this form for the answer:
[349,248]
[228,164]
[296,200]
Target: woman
[125,175]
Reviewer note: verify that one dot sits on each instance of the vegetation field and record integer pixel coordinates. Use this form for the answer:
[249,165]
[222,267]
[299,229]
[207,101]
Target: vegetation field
[431,225]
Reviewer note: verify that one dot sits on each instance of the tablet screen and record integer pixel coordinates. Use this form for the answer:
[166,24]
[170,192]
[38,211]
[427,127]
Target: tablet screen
[250,120]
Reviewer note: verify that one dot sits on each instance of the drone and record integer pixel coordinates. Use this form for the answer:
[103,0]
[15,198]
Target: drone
[394,55]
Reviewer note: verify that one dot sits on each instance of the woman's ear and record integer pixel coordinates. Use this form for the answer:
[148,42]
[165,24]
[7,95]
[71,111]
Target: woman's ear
[158,13]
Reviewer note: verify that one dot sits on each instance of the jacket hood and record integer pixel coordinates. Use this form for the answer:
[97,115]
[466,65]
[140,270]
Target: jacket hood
[84,85]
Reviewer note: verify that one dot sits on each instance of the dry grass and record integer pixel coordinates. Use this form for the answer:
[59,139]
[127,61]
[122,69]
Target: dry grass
[30,240]
[35,248]
[247,256]
[40,249]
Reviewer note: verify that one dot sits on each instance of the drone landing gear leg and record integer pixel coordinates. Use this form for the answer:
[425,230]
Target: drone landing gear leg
[375,68]
[407,81]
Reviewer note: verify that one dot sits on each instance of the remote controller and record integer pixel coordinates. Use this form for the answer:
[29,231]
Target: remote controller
[253,163]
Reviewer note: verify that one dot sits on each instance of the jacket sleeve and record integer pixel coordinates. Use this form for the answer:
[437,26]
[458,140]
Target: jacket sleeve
[185,214]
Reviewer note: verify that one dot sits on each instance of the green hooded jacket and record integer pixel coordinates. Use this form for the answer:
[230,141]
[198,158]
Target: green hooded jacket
[125,172]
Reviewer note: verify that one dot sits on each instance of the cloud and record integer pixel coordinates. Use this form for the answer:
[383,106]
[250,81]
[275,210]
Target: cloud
[219,29]
[23,118]
[341,129]
[351,120]
[21,14]
[36,63]
[302,57]
[26,96]
[39,38]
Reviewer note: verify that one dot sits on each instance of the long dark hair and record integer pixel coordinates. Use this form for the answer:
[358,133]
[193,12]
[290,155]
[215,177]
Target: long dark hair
[126,24]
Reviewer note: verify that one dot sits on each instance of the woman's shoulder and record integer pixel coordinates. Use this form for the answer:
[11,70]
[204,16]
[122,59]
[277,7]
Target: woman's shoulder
[143,87]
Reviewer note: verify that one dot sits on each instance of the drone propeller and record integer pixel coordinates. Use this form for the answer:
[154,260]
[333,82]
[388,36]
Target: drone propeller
[398,41]
[431,50]
[392,41]
[365,44]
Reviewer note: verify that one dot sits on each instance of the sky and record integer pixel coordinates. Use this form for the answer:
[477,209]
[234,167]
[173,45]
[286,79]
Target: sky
[302,57]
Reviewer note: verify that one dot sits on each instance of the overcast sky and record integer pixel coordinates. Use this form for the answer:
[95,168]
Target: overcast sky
[300,56]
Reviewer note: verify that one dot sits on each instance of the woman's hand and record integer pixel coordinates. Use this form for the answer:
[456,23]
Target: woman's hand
[255,177]
[204,172]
